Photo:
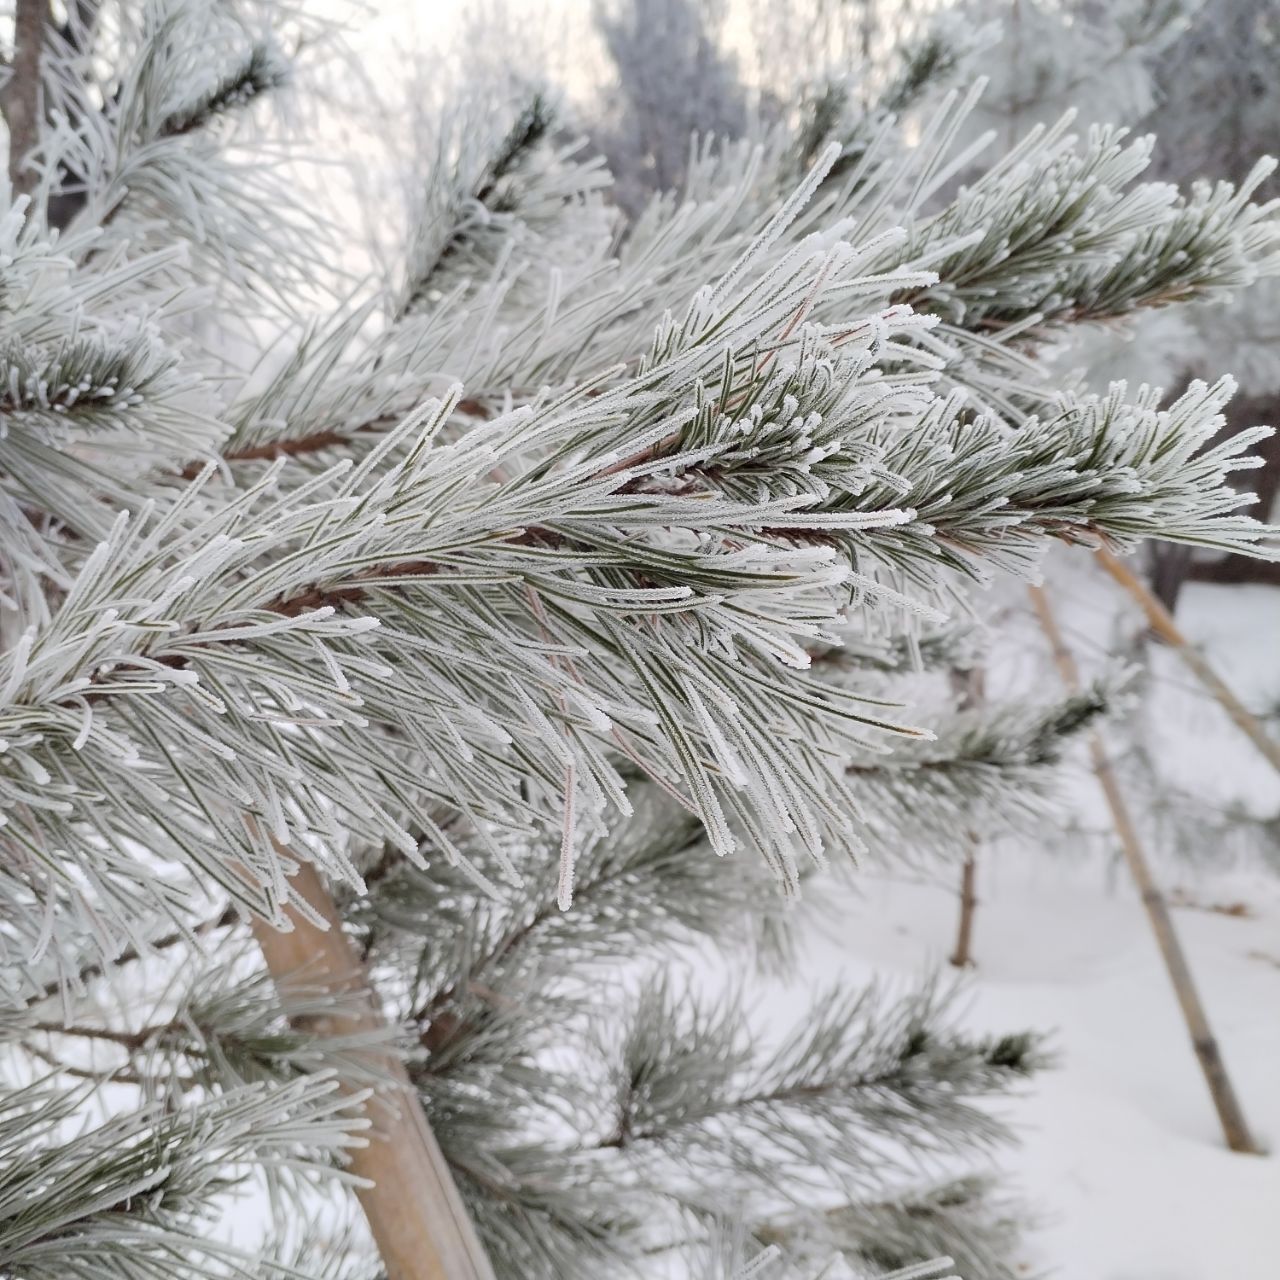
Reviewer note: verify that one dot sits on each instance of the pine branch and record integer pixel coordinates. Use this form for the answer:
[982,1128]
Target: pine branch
[604,885]
[992,770]
[585,567]
[857,1065]
[129,1198]
[529,129]
[262,71]
[228,917]
[961,1219]
[741,1133]
[488,191]
[130,1040]
[138,160]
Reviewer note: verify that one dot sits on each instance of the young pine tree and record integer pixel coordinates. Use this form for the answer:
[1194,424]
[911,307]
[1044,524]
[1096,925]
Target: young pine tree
[374,713]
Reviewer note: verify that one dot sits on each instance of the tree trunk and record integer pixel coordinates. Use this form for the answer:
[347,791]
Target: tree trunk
[20,100]
[1230,1115]
[962,956]
[970,689]
[416,1214]
[1170,568]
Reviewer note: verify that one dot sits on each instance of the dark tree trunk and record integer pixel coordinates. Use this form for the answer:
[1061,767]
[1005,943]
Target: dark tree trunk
[1170,567]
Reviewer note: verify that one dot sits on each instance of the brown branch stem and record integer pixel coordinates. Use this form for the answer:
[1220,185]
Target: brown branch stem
[316,441]
[131,1041]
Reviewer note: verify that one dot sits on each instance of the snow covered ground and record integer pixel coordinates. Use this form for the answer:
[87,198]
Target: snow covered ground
[1121,1154]
[1120,1151]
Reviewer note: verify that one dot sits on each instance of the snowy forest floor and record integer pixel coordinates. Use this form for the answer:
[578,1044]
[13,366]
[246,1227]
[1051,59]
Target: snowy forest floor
[1120,1154]
[1120,1158]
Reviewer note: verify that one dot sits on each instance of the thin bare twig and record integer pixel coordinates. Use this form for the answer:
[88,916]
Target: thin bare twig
[1230,1114]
